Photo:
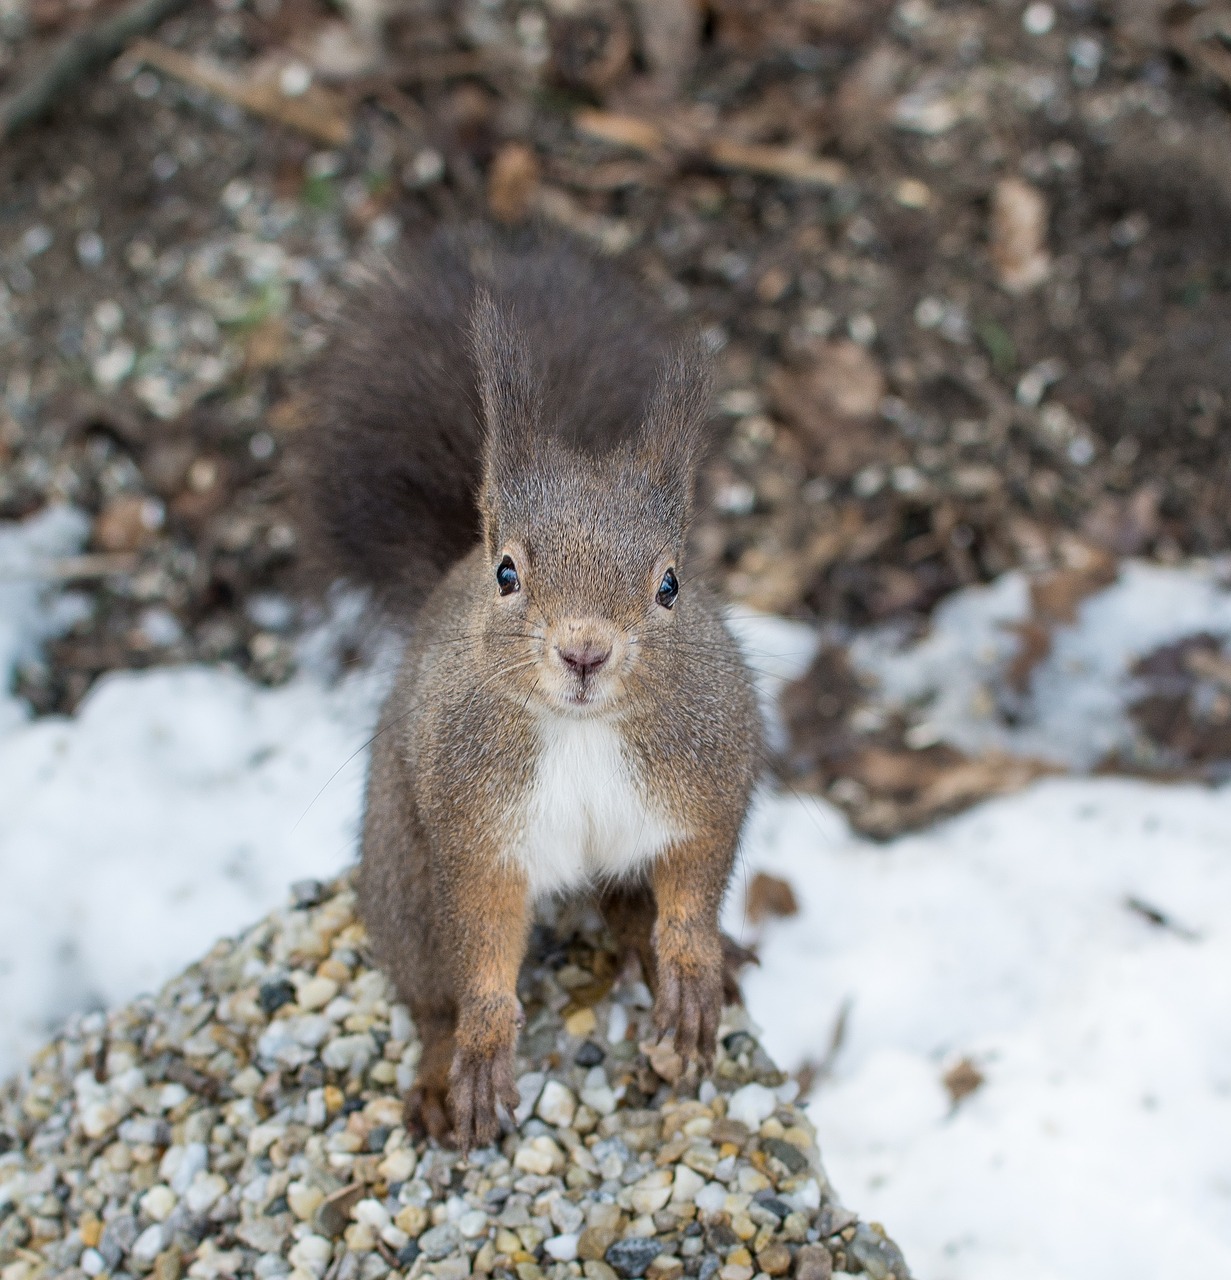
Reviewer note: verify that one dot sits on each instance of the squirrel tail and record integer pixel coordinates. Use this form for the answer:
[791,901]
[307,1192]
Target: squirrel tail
[391,459]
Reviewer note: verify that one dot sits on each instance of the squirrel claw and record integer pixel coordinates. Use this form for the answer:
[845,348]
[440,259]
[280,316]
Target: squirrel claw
[689,1005]
[479,1085]
[426,1111]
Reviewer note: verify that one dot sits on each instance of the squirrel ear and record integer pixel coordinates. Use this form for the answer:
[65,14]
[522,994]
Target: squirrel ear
[510,394]
[674,439]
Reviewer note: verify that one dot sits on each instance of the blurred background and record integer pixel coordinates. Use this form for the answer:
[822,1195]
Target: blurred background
[966,269]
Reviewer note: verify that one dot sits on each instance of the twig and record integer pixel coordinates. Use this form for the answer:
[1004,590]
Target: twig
[787,163]
[74,568]
[75,55]
[317,111]
[778,162]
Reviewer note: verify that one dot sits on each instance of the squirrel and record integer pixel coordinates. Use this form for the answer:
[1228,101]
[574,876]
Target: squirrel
[505,449]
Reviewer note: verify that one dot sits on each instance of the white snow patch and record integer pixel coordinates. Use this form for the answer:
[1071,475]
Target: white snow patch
[1098,1145]
[1075,712]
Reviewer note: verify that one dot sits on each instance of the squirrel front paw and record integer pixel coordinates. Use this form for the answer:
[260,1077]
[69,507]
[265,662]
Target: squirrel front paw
[483,1078]
[689,996]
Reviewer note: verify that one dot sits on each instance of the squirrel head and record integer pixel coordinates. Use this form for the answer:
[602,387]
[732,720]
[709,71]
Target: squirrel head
[585,548]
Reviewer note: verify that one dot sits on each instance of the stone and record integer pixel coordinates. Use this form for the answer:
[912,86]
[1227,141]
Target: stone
[439,1242]
[786,1153]
[563,1248]
[752,1105]
[539,1155]
[158,1202]
[774,1259]
[878,1256]
[412,1219]
[557,1104]
[333,1213]
[631,1257]
[594,1242]
[813,1262]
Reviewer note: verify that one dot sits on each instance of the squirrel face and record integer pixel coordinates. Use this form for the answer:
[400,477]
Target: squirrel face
[585,584]
[584,549]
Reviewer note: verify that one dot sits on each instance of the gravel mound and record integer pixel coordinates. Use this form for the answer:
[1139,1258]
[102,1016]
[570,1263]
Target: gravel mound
[247,1122]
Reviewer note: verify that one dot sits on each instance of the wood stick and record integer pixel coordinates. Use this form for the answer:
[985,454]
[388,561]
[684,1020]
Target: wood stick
[318,112]
[74,56]
[788,163]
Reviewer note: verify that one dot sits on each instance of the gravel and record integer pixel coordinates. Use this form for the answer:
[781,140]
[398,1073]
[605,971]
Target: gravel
[235,1125]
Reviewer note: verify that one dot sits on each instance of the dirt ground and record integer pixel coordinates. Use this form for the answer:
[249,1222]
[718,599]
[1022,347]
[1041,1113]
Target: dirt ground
[966,266]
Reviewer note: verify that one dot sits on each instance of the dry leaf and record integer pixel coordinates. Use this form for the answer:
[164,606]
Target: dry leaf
[1019,235]
[769,896]
[962,1079]
[513,181]
[128,523]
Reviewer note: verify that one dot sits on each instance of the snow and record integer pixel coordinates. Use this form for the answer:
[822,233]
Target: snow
[1075,712]
[178,804]
[1100,1137]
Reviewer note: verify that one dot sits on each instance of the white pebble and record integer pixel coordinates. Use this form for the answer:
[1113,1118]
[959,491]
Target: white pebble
[206,1190]
[158,1202]
[316,993]
[148,1245]
[112,367]
[752,1105]
[182,1164]
[539,1155]
[711,1198]
[372,1214]
[562,1248]
[398,1165]
[303,1199]
[295,80]
[312,1253]
[472,1224]
[617,1024]
[92,1262]
[687,1185]
[348,1053]
[1038,19]
[652,1192]
[557,1105]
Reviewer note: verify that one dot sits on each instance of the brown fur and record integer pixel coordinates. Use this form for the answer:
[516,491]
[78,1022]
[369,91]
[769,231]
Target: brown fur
[583,474]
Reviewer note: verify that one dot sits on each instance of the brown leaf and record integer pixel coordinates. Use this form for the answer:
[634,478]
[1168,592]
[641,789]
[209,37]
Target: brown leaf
[128,523]
[1018,235]
[962,1080]
[1054,600]
[770,896]
[865,95]
[992,774]
[1055,597]
[512,183]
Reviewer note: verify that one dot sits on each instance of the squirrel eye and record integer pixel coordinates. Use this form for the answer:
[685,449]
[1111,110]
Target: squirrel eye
[668,589]
[506,577]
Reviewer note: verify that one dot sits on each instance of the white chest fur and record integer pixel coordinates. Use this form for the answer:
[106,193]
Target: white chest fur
[587,820]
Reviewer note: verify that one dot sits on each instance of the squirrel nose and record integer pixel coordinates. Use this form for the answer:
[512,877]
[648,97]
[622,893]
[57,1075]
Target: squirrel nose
[583,659]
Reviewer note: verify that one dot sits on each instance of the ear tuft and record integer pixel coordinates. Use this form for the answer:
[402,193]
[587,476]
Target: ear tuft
[511,396]
[674,438]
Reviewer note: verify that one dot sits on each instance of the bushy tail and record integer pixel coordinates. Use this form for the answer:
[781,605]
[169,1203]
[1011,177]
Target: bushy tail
[391,459]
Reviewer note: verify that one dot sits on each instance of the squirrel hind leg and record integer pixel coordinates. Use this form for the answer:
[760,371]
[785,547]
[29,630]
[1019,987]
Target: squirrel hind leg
[426,1107]
[630,913]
